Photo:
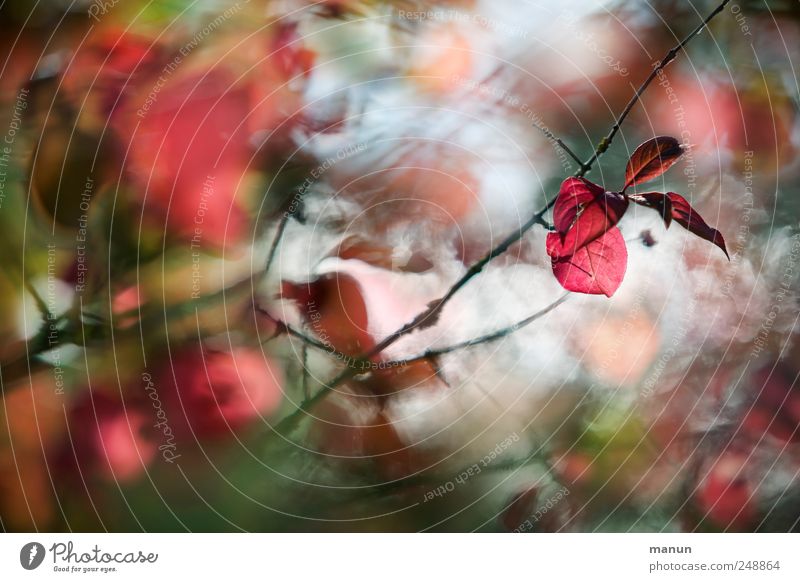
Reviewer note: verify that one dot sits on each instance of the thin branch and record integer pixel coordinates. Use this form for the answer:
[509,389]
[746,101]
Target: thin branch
[310,341]
[495,335]
[552,137]
[283,327]
[290,421]
[431,314]
[277,240]
[606,141]
[44,310]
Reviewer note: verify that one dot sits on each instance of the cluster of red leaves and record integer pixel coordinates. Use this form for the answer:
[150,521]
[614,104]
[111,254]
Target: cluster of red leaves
[587,250]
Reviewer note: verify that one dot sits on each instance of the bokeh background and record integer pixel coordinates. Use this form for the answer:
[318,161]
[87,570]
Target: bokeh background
[210,209]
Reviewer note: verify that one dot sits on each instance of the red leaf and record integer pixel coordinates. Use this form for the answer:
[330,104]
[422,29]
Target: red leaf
[519,508]
[597,268]
[585,211]
[688,218]
[651,159]
[658,201]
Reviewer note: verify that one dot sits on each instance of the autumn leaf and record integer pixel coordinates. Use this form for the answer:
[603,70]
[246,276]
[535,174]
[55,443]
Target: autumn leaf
[585,211]
[651,159]
[597,268]
[595,220]
[691,220]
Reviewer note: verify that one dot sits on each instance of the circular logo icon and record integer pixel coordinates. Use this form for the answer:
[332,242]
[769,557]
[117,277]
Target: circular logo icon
[31,555]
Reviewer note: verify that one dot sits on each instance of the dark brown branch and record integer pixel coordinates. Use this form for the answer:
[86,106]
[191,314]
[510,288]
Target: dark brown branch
[289,423]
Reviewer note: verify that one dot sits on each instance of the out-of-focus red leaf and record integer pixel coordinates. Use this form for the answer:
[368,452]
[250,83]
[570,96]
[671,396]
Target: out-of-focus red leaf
[107,69]
[335,429]
[385,382]
[108,436]
[356,247]
[362,439]
[651,159]
[657,200]
[688,217]
[597,268]
[393,458]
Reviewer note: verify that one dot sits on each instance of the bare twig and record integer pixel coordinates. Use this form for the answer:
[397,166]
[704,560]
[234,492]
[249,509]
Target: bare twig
[495,335]
[430,315]
[289,422]
[551,136]
[44,310]
[668,58]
